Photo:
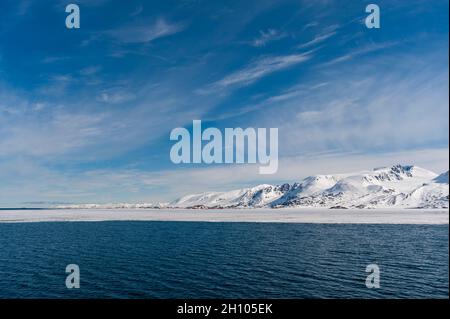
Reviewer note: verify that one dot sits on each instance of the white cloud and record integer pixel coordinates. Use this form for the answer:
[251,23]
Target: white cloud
[258,69]
[373,47]
[90,70]
[145,32]
[266,37]
[328,33]
[395,102]
[115,96]
[79,127]
[137,11]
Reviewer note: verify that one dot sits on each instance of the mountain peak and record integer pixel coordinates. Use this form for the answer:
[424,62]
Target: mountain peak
[399,171]
[397,168]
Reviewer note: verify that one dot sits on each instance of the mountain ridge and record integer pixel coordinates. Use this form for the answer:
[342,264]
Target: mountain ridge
[398,186]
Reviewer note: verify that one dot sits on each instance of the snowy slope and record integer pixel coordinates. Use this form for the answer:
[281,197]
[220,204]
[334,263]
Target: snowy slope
[258,196]
[396,186]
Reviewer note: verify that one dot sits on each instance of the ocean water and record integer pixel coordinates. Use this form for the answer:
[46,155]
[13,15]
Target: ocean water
[222,260]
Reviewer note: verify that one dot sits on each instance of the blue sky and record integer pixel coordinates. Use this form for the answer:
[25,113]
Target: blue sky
[85,114]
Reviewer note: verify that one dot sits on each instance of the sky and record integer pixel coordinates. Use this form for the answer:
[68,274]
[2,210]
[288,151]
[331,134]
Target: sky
[86,114]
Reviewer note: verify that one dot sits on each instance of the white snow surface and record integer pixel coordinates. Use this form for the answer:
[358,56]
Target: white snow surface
[261,215]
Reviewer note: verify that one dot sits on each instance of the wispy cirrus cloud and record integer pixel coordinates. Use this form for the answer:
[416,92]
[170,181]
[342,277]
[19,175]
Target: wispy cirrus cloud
[369,108]
[258,69]
[90,70]
[139,9]
[318,39]
[145,32]
[373,47]
[267,36]
[115,96]
[325,34]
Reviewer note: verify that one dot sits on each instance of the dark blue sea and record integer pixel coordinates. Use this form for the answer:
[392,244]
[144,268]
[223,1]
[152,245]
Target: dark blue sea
[222,260]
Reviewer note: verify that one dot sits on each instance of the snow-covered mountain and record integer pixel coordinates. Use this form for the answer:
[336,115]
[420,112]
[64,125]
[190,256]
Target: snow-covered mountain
[396,186]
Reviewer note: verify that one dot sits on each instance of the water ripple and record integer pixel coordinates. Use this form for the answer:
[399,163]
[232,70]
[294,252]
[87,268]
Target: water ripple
[222,260]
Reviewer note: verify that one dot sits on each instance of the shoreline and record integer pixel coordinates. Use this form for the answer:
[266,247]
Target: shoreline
[254,215]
